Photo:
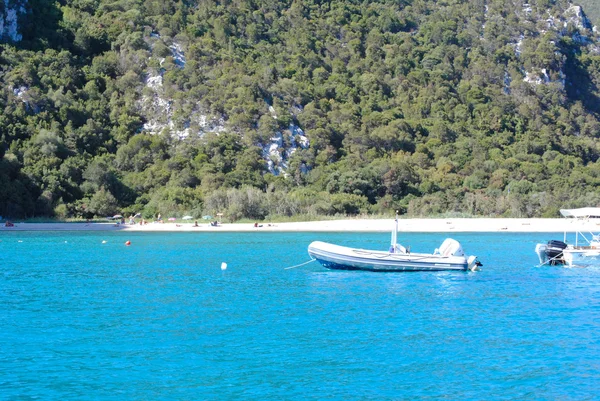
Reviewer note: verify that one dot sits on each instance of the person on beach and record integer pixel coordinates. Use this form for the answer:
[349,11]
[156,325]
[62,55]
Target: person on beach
[9,224]
[196,223]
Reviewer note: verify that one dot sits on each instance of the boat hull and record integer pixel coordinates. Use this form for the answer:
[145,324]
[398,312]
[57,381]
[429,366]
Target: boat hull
[582,257]
[343,258]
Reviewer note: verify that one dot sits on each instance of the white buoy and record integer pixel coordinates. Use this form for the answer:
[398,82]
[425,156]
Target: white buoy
[104,242]
[223,266]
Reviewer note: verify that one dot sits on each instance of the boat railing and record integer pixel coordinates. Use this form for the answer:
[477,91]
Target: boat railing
[587,240]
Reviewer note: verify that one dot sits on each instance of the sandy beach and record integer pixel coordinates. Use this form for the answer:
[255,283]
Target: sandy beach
[352,225]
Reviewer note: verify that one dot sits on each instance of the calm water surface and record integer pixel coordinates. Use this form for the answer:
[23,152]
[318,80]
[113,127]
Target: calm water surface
[159,319]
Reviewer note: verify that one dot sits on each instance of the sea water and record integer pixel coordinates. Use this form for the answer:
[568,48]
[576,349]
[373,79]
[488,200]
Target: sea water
[85,317]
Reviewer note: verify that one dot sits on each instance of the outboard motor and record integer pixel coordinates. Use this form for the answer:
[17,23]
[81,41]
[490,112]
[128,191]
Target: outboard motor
[554,252]
[473,264]
[540,249]
[451,247]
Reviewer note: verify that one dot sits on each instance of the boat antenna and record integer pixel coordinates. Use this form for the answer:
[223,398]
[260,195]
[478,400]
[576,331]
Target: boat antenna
[395,233]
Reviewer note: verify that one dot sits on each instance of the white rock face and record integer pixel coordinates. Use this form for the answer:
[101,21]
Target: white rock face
[519,45]
[542,77]
[154,82]
[9,27]
[583,34]
[178,55]
[278,151]
[160,115]
[273,112]
[20,92]
[537,78]
[575,15]
[159,109]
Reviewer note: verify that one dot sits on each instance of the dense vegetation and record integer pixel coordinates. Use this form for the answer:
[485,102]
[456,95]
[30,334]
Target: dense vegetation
[413,104]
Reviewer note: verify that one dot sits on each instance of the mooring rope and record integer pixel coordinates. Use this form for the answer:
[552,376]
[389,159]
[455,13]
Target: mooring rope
[301,264]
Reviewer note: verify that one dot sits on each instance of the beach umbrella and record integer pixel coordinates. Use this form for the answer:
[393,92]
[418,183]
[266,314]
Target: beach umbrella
[186,218]
[117,216]
[172,219]
[138,215]
[207,217]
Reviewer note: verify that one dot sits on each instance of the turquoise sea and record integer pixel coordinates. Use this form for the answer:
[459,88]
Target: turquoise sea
[159,320]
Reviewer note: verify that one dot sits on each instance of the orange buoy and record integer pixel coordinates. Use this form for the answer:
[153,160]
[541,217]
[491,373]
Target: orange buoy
[127,243]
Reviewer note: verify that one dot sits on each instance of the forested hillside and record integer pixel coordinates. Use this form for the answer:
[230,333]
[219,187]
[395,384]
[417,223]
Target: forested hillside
[274,108]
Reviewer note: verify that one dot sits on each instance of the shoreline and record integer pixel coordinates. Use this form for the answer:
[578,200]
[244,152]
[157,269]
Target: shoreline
[448,225]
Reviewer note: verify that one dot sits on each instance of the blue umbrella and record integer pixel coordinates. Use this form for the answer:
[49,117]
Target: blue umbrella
[207,217]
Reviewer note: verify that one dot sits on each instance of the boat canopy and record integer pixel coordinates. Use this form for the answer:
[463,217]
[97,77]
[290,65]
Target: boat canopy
[582,212]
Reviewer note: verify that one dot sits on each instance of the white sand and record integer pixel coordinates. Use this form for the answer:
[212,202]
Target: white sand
[357,225]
